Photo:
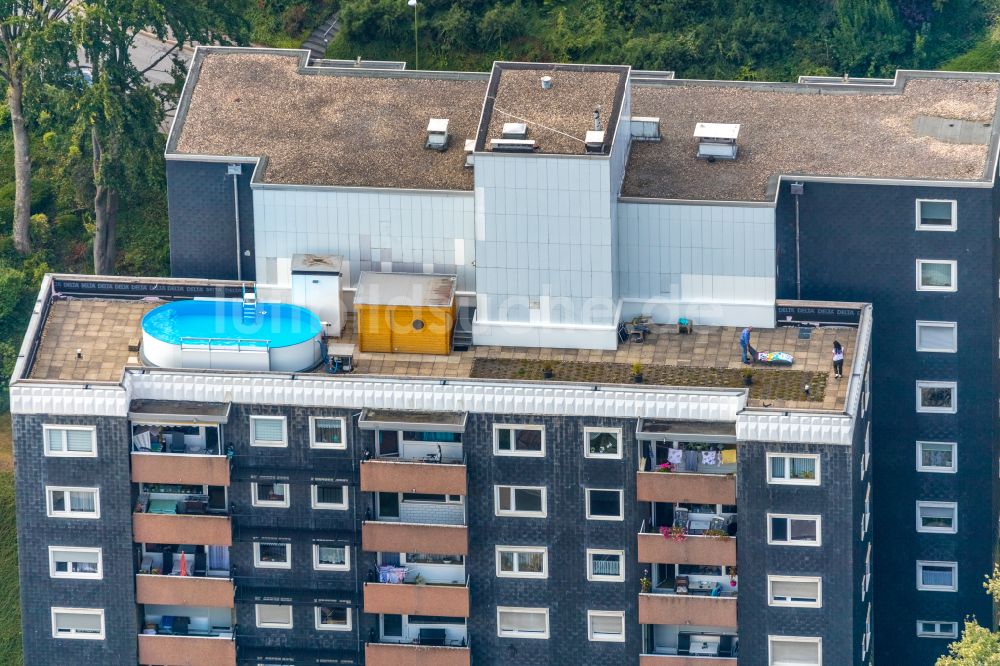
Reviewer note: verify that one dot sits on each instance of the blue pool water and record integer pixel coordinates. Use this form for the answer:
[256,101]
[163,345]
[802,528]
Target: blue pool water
[276,324]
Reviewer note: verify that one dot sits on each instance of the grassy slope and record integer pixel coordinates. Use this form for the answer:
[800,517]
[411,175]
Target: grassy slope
[10,615]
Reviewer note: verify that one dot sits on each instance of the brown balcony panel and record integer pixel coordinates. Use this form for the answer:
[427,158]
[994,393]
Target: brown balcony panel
[168,528]
[683,660]
[184,591]
[382,537]
[412,599]
[684,487]
[687,609]
[180,468]
[186,650]
[397,476]
[386,654]
[654,548]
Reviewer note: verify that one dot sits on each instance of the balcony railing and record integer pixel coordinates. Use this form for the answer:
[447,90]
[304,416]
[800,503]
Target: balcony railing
[684,660]
[686,487]
[393,537]
[404,654]
[691,549]
[417,599]
[184,590]
[201,529]
[219,650]
[180,468]
[399,475]
[687,609]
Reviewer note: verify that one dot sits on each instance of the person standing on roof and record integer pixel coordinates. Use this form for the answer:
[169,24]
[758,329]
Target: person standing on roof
[838,359]
[745,355]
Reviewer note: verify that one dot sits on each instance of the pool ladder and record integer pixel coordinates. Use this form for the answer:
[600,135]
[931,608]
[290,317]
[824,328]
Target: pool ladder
[249,304]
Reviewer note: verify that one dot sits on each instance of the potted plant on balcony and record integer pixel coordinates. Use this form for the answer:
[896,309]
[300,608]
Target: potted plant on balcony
[747,376]
[645,584]
[675,533]
[720,535]
[637,373]
[665,467]
[548,370]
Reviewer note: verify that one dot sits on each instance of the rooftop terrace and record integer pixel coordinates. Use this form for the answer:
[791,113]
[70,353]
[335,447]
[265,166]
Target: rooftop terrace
[862,131]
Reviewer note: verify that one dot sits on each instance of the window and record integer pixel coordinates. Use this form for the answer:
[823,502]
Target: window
[785,468]
[937,275]
[605,565]
[794,651]
[866,518]
[331,558]
[327,433]
[793,530]
[602,443]
[866,457]
[937,336]
[522,562]
[937,576]
[524,501]
[269,494]
[930,629]
[607,626]
[433,558]
[936,457]
[268,431]
[432,498]
[937,517]
[937,215]
[69,562]
[937,397]
[80,623]
[521,440]
[272,555]
[867,578]
[328,496]
[333,618]
[604,504]
[797,591]
[70,441]
[523,622]
[73,502]
[274,616]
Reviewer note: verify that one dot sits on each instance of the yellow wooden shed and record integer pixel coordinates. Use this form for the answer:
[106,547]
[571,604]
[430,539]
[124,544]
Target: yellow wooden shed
[405,312]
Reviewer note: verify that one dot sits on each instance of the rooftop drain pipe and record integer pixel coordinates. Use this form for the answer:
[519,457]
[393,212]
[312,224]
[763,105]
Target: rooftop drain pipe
[235,170]
[797,189]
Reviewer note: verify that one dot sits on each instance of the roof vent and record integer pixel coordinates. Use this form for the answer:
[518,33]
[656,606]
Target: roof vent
[546,82]
[437,134]
[512,145]
[597,119]
[716,141]
[470,148]
[595,141]
[645,129]
[514,131]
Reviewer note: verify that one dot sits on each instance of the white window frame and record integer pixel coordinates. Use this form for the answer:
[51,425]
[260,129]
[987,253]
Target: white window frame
[333,627]
[621,503]
[606,638]
[938,588]
[313,444]
[866,518]
[816,640]
[51,513]
[591,576]
[518,634]
[938,505]
[866,456]
[617,432]
[953,325]
[816,518]
[523,549]
[274,625]
[55,610]
[921,633]
[50,427]
[954,274]
[514,513]
[287,564]
[938,470]
[283,444]
[497,427]
[867,578]
[784,481]
[76,549]
[927,383]
[795,579]
[314,496]
[346,566]
[930,227]
[273,504]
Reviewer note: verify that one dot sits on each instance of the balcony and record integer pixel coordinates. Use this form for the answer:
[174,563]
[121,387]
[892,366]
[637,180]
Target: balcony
[412,599]
[208,530]
[187,650]
[390,654]
[184,590]
[687,609]
[180,468]
[684,660]
[397,475]
[685,487]
[399,537]
[686,645]
[694,549]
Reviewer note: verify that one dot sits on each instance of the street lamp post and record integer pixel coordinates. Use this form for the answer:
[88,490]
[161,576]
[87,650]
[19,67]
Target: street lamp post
[416,50]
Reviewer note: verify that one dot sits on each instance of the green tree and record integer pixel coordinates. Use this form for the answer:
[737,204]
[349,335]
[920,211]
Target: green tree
[868,39]
[978,646]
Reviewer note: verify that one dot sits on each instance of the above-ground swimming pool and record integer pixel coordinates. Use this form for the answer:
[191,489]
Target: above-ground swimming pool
[217,334]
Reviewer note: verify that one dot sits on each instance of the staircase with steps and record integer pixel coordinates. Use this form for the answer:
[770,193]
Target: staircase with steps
[249,304]
[461,337]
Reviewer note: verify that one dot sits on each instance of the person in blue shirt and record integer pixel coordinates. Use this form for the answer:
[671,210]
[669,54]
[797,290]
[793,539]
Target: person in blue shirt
[745,355]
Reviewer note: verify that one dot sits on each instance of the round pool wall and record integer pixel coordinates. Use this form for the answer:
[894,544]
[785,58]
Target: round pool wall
[214,335]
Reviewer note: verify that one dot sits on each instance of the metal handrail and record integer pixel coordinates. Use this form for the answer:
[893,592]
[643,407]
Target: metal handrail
[239,343]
